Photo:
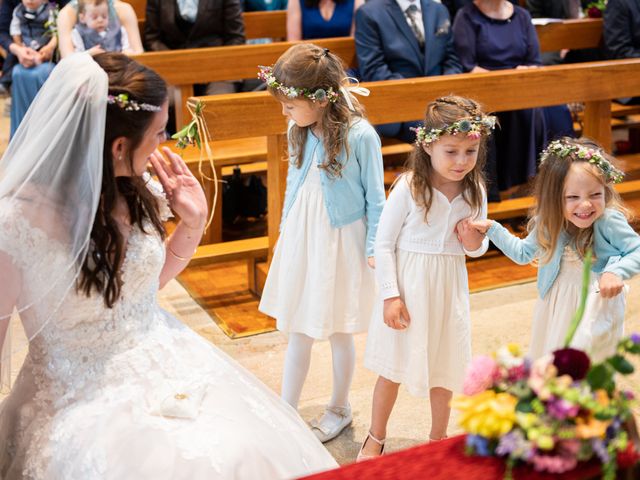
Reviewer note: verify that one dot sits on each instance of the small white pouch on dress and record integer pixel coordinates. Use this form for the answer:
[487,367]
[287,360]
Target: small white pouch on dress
[177,399]
[602,324]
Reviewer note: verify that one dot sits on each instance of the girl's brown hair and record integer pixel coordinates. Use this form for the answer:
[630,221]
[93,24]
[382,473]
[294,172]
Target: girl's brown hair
[440,113]
[101,269]
[308,66]
[548,215]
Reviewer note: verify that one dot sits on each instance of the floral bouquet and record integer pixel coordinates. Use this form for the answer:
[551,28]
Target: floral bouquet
[554,412]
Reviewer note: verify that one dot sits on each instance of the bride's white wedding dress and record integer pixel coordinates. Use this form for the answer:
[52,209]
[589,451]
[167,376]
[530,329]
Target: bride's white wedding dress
[132,393]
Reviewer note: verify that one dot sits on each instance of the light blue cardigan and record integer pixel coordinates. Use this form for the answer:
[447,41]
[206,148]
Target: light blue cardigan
[359,192]
[616,248]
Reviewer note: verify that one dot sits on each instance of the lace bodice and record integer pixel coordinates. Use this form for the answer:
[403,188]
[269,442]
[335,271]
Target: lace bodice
[81,333]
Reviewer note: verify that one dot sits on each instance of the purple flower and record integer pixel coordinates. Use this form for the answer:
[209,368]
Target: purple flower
[515,445]
[572,362]
[560,408]
[600,449]
[635,338]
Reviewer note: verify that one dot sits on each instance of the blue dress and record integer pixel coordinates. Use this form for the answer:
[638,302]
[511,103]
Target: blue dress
[339,25]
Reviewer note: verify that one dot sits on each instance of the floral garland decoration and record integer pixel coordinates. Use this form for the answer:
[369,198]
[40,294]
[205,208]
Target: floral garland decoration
[122,100]
[318,95]
[473,127]
[594,156]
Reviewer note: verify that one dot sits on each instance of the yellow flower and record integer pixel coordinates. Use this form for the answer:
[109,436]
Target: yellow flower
[486,413]
[602,397]
[591,427]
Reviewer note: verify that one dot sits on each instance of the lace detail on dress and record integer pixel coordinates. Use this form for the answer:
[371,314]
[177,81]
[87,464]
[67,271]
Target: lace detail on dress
[155,187]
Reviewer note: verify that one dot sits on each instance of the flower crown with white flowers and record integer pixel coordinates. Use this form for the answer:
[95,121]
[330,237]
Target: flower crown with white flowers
[122,100]
[594,156]
[318,95]
[474,127]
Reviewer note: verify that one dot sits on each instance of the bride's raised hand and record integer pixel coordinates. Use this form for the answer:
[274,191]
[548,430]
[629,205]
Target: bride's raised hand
[184,192]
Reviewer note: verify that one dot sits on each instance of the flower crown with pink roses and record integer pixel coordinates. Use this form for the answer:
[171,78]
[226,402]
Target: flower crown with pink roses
[562,149]
[474,127]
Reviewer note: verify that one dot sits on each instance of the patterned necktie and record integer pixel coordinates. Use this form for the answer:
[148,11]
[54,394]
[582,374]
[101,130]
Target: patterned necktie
[411,12]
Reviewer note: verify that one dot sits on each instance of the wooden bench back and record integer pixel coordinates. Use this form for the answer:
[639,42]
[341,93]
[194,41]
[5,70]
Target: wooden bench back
[184,68]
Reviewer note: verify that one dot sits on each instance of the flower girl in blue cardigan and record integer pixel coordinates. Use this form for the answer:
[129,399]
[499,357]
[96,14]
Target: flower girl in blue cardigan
[577,209]
[319,284]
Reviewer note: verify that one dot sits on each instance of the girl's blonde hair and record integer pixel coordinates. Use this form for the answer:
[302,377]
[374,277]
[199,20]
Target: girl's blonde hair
[549,191]
[308,66]
[441,113]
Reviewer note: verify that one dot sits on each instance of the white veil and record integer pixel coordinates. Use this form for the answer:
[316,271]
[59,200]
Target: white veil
[50,183]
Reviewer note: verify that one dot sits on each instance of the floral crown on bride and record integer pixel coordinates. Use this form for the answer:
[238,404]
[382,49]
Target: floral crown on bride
[594,156]
[123,101]
[474,127]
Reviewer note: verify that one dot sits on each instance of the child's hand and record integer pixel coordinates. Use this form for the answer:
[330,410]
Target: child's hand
[610,285]
[95,50]
[482,226]
[396,314]
[371,261]
[470,237]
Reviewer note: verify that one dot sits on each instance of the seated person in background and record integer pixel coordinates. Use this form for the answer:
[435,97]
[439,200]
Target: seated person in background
[497,35]
[621,32]
[621,29]
[455,5]
[309,19]
[180,24]
[95,32]
[566,10]
[29,26]
[404,39]
[23,34]
[120,13]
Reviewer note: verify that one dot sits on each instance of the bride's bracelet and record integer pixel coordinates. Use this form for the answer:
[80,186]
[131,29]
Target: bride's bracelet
[175,255]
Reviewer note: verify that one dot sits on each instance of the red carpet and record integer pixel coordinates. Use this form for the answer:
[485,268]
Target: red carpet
[444,460]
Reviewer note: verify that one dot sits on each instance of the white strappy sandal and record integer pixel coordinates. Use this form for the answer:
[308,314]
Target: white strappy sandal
[362,457]
[325,432]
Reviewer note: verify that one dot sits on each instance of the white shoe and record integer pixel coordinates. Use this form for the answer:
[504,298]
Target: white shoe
[327,428]
[362,457]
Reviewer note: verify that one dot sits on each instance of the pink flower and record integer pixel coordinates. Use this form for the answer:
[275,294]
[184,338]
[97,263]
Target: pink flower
[481,374]
[553,463]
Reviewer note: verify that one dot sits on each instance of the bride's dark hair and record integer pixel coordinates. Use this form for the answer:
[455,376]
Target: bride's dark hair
[101,268]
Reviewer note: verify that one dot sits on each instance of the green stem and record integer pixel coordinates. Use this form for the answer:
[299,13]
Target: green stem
[577,317]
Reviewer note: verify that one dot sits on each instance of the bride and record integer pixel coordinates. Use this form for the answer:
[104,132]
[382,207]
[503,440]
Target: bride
[112,386]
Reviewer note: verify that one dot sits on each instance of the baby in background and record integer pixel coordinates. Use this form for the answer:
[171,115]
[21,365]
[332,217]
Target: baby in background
[98,30]
[29,27]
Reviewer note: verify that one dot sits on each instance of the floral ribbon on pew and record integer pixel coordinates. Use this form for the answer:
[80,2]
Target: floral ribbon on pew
[352,86]
[196,133]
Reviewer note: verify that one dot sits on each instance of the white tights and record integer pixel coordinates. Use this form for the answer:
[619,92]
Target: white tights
[298,358]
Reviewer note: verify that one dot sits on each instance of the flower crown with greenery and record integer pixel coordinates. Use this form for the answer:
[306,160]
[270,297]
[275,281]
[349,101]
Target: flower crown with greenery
[122,100]
[562,149]
[317,95]
[474,127]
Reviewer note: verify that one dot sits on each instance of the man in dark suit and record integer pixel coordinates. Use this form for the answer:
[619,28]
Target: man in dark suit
[404,39]
[197,24]
[621,30]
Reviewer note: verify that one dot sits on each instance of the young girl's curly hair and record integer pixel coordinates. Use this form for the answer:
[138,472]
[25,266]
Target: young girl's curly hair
[311,67]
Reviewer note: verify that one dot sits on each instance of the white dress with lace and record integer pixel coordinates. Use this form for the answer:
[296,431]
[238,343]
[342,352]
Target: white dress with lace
[131,393]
